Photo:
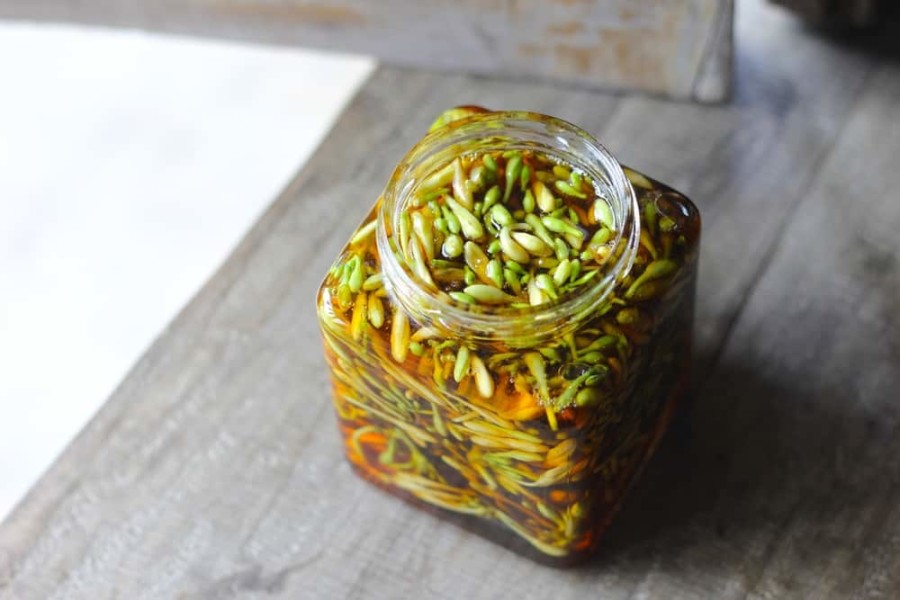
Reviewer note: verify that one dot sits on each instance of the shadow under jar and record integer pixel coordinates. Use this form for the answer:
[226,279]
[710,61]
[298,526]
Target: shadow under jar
[509,329]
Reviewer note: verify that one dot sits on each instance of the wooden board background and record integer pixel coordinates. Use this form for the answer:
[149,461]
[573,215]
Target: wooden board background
[678,48]
[214,471]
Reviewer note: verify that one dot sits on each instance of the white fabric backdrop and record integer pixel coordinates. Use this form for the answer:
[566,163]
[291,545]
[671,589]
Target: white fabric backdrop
[129,166]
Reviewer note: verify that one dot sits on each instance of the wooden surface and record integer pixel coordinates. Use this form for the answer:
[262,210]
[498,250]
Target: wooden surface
[215,470]
[678,48]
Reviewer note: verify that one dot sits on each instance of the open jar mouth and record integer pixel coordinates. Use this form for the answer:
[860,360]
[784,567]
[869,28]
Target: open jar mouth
[503,131]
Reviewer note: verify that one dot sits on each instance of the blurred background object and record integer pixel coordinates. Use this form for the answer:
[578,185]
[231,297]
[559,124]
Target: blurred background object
[676,48]
[853,12]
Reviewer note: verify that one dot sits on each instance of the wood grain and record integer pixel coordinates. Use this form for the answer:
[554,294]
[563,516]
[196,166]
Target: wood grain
[215,470]
[678,48]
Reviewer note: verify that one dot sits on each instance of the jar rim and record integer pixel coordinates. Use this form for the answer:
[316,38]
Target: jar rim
[507,130]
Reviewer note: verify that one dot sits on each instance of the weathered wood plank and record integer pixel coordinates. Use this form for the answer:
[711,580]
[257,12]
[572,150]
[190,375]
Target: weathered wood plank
[215,469]
[790,471]
[823,327]
[679,48]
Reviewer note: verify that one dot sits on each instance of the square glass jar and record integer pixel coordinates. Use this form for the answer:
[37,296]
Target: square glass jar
[526,422]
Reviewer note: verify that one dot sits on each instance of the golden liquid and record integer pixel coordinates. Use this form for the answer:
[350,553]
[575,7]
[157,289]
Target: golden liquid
[503,466]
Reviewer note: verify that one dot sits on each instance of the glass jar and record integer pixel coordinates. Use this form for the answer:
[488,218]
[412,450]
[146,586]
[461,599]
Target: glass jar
[485,375]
